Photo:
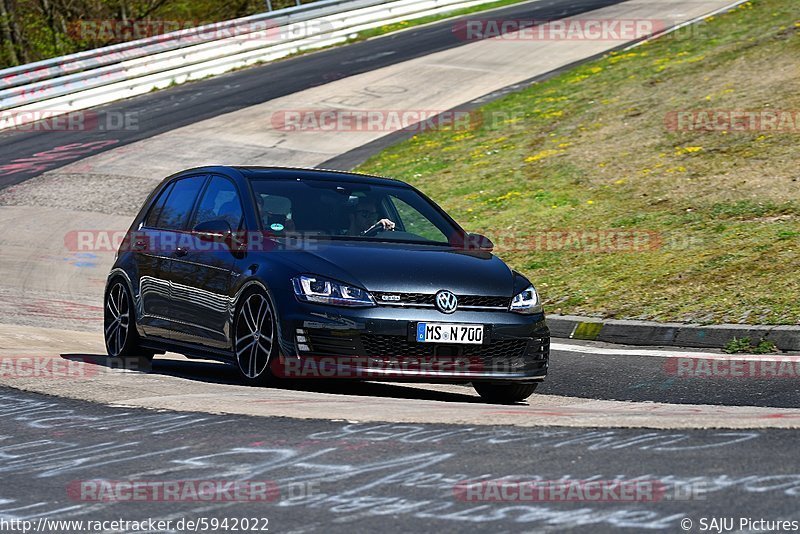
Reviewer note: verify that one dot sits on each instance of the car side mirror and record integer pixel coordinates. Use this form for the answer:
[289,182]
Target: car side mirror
[472,241]
[217,230]
[481,242]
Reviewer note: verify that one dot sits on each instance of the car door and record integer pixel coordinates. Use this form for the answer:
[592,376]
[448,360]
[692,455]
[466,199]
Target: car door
[163,233]
[201,270]
[152,262]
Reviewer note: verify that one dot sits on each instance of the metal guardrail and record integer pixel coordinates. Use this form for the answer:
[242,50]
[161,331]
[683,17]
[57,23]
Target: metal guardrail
[87,79]
[107,55]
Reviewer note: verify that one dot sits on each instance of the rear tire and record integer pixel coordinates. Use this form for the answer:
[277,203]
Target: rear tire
[255,339]
[504,393]
[119,324]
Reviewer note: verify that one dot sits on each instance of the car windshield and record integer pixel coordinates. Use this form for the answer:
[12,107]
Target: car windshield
[350,211]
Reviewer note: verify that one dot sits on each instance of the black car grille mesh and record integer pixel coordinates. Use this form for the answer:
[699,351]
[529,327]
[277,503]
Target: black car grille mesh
[333,342]
[394,346]
[424,299]
[377,345]
[499,355]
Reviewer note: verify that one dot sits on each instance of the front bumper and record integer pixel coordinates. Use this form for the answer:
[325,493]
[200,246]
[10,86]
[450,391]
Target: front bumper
[378,344]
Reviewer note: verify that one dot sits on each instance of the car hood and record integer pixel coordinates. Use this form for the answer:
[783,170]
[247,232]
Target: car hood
[404,268]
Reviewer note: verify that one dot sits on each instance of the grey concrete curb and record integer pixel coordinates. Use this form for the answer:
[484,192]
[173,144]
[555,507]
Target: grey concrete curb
[786,338]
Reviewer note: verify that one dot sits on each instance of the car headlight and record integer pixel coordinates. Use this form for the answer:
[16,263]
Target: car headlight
[325,291]
[526,301]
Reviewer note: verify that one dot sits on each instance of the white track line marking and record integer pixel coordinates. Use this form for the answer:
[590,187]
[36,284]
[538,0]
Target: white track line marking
[565,347]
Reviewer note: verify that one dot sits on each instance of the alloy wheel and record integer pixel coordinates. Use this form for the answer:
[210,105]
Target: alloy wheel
[117,319]
[255,330]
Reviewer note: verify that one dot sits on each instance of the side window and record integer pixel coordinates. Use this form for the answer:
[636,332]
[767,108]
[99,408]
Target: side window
[181,199]
[220,201]
[151,221]
[416,223]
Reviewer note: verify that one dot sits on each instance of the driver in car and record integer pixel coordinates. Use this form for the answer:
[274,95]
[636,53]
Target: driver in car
[361,219]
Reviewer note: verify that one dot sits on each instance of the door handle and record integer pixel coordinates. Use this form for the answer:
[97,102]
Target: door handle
[139,245]
[181,252]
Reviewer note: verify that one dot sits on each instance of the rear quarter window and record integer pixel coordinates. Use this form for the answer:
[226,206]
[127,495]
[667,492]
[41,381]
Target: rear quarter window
[151,221]
[174,214]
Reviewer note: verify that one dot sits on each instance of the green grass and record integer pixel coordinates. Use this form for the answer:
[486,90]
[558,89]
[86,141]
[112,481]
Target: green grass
[589,150]
[739,345]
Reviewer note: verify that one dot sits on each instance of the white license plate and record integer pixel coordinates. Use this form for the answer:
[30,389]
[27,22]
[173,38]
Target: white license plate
[450,333]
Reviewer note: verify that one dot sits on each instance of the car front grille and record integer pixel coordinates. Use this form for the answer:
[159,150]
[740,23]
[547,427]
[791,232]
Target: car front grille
[502,355]
[425,300]
[377,345]
[499,355]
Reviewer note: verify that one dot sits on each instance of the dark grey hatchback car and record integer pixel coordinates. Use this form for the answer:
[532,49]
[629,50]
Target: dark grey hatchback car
[301,274]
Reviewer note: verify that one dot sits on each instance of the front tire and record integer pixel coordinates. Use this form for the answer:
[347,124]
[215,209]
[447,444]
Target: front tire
[504,393]
[122,339]
[255,339]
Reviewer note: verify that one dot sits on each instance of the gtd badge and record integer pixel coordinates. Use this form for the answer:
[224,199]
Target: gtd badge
[446,301]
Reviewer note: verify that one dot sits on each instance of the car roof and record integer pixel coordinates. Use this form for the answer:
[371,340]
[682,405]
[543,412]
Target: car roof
[278,173]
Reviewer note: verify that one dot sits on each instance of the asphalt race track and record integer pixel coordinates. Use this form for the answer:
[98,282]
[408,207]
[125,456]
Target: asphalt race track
[355,477]
[345,456]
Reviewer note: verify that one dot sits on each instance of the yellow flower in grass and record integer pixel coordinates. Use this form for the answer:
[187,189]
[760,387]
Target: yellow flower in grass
[676,169]
[542,155]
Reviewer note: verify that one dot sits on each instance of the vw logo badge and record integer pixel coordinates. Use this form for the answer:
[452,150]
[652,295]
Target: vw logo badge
[446,301]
